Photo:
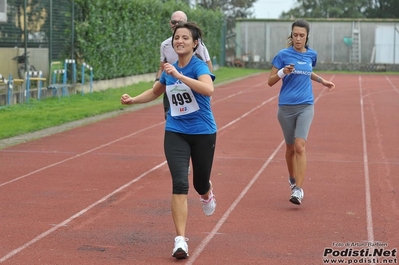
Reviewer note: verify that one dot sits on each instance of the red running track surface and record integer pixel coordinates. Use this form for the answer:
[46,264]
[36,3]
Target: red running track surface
[100,193]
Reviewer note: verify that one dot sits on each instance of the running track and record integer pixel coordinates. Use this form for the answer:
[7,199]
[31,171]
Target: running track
[100,193]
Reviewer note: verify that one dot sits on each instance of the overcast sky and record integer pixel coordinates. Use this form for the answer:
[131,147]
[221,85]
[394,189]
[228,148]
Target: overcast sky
[272,8]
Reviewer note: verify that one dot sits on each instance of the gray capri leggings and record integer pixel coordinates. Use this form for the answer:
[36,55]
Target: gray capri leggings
[295,121]
[178,150]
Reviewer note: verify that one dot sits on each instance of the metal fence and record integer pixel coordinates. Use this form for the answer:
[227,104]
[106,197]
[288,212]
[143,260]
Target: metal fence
[45,29]
[345,41]
[42,29]
[44,24]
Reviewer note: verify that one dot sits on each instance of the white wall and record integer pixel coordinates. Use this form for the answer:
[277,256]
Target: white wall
[387,44]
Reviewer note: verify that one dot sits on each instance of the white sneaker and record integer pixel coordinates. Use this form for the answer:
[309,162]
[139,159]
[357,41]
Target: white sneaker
[180,250]
[297,196]
[209,205]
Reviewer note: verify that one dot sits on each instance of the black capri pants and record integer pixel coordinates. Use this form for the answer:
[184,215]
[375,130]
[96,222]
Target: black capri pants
[179,148]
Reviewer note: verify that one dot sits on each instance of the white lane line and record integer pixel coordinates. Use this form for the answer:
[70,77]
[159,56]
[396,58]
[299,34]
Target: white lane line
[48,232]
[249,112]
[369,215]
[392,84]
[101,146]
[65,222]
[78,155]
[223,219]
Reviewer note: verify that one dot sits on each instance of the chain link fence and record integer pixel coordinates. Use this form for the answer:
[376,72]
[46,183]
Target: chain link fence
[33,35]
[341,44]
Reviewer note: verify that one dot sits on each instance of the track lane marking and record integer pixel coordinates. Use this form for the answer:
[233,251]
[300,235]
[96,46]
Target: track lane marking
[78,155]
[65,222]
[369,214]
[223,219]
[109,143]
[80,213]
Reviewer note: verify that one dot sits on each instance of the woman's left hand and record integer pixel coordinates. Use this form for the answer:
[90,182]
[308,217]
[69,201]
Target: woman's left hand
[330,85]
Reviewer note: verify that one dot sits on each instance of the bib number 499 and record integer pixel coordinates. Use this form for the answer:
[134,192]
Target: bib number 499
[181,99]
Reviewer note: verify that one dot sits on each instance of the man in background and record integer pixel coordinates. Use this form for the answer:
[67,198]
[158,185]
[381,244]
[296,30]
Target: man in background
[169,55]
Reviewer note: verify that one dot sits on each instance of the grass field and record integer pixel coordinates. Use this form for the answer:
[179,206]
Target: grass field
[37,115]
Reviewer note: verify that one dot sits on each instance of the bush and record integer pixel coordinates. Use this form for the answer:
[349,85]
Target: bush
[121,38]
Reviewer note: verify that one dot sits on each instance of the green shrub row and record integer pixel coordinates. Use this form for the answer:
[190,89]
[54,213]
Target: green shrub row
[121,38]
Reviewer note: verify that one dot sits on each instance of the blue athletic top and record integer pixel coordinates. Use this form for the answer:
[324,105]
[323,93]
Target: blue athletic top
[200,121]
[297,86]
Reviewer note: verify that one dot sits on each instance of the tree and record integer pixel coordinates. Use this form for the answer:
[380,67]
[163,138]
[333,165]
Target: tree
[383,9]
[344,9]
[36,17]
[231,9]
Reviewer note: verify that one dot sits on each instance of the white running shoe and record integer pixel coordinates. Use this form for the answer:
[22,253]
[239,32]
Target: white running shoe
[209,205]
[292,183]
[297,196]
[180,250]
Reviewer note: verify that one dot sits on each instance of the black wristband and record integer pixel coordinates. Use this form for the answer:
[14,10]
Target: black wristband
[156,79]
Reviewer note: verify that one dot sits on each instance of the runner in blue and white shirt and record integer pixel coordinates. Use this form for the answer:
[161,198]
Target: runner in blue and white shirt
[190,130]
[294,66]
[169,55]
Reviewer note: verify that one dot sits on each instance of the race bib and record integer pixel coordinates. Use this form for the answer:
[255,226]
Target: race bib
[181,99]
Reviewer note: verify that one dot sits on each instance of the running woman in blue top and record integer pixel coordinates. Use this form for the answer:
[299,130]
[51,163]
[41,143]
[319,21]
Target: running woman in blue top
[190,129]
[294,65]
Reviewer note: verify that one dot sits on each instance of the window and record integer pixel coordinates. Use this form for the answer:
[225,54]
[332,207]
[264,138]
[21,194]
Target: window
[3,10]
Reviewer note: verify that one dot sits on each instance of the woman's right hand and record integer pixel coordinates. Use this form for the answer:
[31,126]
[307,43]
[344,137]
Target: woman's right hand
[126,99]
[289,69]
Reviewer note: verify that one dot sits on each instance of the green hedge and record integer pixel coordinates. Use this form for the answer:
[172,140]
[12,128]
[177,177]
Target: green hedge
[121,38]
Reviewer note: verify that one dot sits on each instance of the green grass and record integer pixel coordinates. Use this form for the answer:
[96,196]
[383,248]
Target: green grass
[37,115]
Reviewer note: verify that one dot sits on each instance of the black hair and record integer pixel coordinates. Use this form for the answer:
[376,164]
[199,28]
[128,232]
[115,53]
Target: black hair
[302,24]
[195,31]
